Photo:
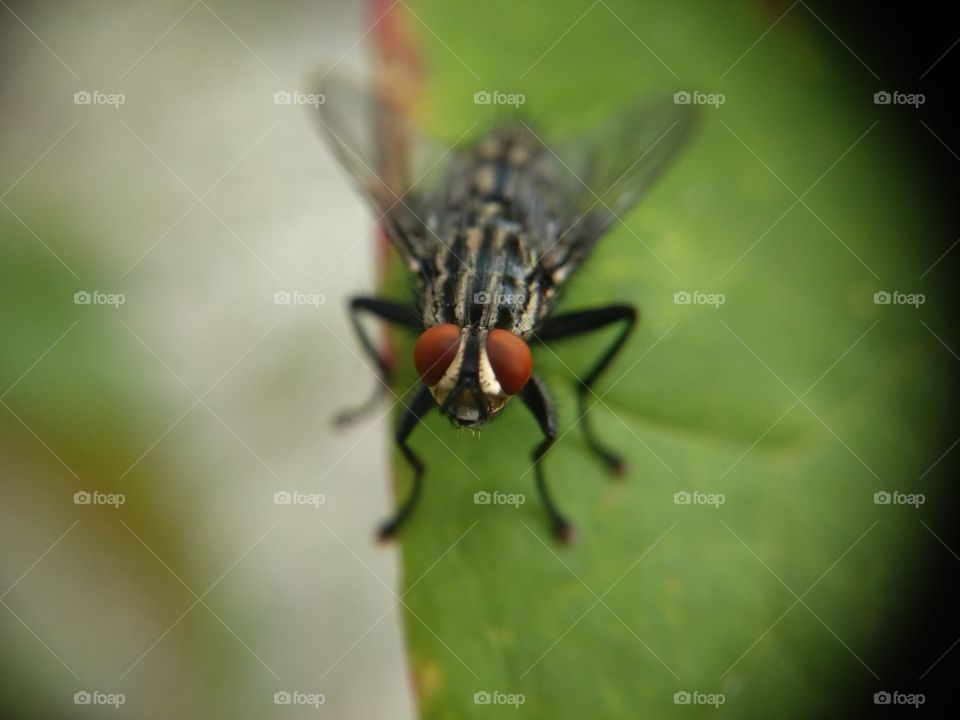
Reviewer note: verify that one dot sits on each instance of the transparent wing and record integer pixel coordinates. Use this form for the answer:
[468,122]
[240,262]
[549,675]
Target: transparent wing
[602,174]
[396,168]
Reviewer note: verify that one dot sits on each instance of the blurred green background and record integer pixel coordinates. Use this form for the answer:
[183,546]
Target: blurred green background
[199,398]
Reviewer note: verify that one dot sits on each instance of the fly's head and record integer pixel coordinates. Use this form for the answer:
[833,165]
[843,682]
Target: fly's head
[472,372]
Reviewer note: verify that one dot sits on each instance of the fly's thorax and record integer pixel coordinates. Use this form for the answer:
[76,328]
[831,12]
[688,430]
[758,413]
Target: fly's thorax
[486,275]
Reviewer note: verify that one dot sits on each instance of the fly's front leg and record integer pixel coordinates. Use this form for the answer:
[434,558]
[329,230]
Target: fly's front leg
[584,321]
[535,396]
[392,312]
[412,414]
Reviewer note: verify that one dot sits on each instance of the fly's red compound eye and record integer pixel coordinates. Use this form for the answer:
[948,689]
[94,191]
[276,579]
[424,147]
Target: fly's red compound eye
[510,359]
[435,350]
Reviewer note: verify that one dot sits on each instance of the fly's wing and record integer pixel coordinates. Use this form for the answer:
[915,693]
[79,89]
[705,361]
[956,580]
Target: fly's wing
[396,169]
[601,175]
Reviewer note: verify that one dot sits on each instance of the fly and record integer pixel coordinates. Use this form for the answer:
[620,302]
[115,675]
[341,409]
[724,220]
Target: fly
[491,231]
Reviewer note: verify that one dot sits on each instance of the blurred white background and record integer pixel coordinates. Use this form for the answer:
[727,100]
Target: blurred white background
[198,198]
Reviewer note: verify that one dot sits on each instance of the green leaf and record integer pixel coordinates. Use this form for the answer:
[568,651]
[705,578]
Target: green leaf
[796,399]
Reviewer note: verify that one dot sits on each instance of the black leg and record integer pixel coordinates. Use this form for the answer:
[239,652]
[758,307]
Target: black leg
[535,396]
[418,407]
[390,311]
[576,323]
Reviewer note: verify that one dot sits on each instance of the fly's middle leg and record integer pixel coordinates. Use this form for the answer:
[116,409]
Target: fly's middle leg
[393,312]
